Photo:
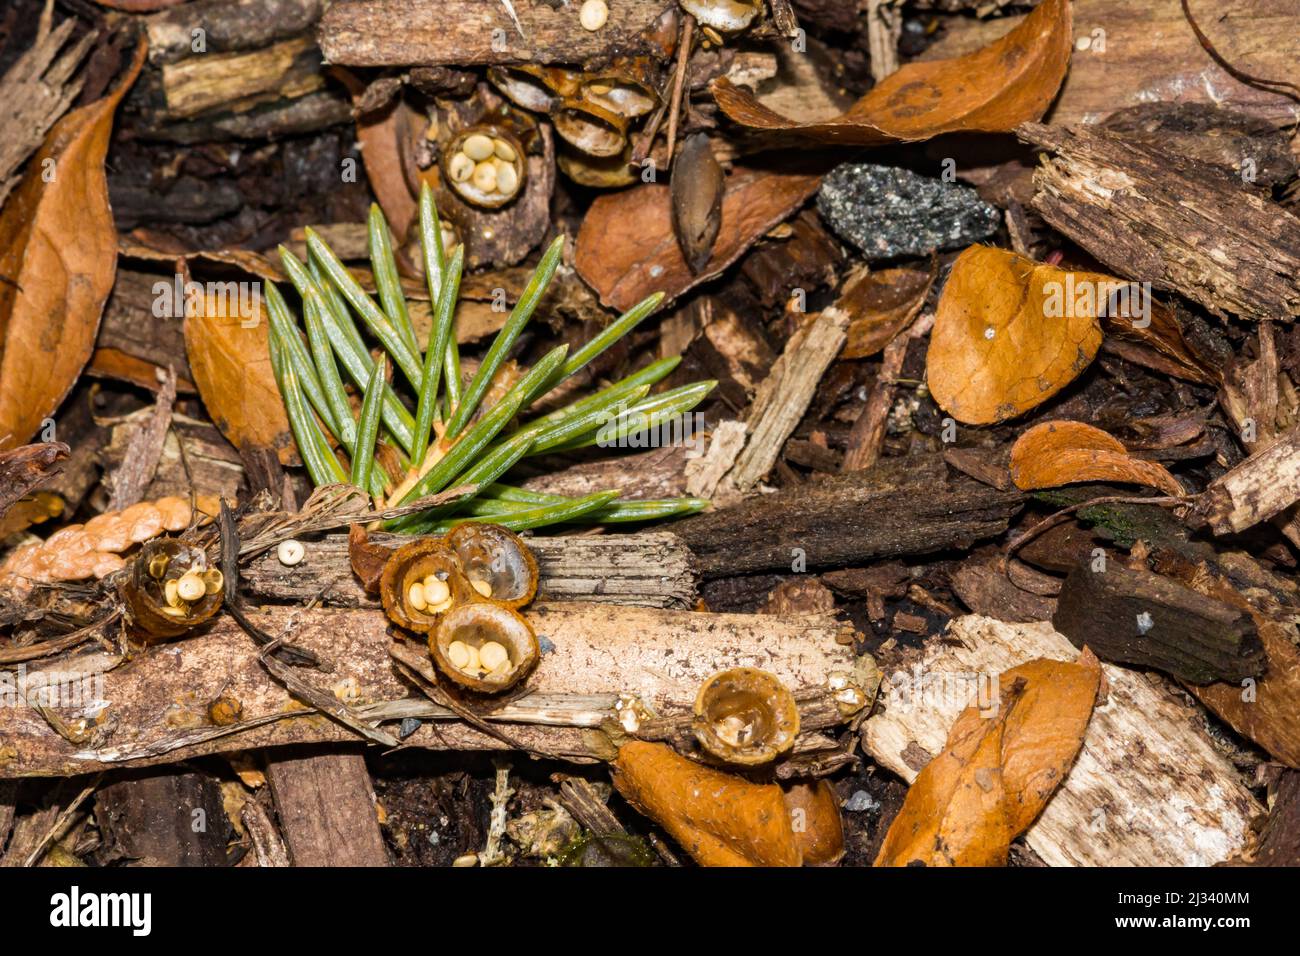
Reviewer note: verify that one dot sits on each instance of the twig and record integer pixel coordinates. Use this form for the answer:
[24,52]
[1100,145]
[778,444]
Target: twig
[15,655]
[230,573]
[492,855]
[144,449]
[679,82]
[61,823]
[268,846]
[420,673]
[1240,74]
[1051,521]
[580,799]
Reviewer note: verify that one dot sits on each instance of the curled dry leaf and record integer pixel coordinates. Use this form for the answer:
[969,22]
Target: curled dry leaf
[718,818]
[880,305]
[697,187]
[1061,453]
[1159,344]
[1011,81]
[231,361]
[367,558]
[627,248]
[998,770]
[58,249]
[1009,333]
[815,818]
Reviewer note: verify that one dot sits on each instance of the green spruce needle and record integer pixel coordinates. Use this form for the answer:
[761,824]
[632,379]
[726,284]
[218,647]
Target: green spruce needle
[403,355]
[479,446]
[540,516]
[368,429]
[444,316]
[387,282]
[519,316]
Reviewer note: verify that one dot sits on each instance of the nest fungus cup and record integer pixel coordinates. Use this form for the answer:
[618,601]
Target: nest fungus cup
[485,166]
[626,90]
[421,582]
[727,16]
[484,646]
[170,589]
[745,716]
[598,172]
[590,127]
[496,562]
[534,87]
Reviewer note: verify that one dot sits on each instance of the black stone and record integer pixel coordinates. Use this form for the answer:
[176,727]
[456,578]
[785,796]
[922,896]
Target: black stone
[887,212]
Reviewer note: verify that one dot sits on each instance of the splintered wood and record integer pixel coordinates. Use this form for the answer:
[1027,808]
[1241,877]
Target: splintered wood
[650,569]
[1183,226]
[601,665]
[1148,788]
[465,32]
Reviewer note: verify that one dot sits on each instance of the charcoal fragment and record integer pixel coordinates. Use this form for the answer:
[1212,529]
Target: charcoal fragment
[887,212]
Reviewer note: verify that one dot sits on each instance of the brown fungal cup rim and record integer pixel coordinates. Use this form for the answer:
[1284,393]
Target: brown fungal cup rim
[512,631]
[466,535]
[144,595]
[746,689]
[412,563]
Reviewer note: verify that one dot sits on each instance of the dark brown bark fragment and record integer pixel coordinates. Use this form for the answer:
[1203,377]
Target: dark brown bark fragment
[1279,841]
[1146,620]
[326,806]
[1155,216]
[902,506]
[164,818]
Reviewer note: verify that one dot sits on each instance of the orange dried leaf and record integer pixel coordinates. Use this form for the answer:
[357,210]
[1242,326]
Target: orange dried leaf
[1009,333]
[718,818]
[230,357]
[58,249]
[1061,453]
[998,771]
[1011,81]
[815,819]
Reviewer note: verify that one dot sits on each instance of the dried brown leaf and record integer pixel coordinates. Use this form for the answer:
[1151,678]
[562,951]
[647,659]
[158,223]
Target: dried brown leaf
[998,771]
[58,248]
[231,361]
[1009,333]
[718,818]
[627,249]
[815,819]
[1011,81]
[1061,453]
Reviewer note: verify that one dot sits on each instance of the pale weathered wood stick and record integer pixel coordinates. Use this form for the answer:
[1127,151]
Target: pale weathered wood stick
[472,32]
[153,709]
[652,570]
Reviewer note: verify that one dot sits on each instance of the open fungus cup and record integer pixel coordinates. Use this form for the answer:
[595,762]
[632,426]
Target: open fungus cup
[484,165]
[421,582]
[590,127]
[484,647]
[728,16]
[745,716]
[626,90]
[170,589]
[534,87]
[497,563]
